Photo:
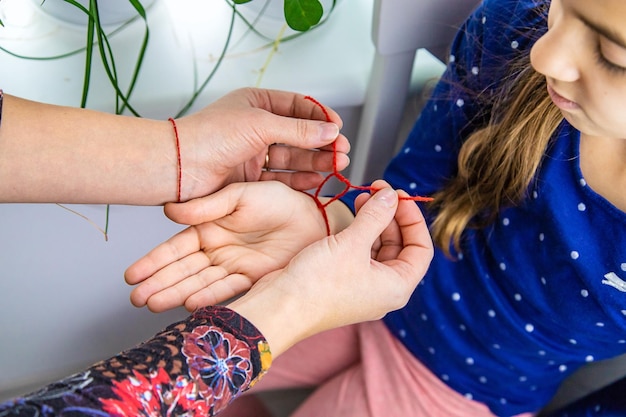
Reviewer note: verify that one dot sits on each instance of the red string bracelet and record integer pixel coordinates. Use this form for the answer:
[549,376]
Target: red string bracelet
[180,168]
[343,179]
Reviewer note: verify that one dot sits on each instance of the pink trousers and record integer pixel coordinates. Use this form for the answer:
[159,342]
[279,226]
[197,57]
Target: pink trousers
[361,371]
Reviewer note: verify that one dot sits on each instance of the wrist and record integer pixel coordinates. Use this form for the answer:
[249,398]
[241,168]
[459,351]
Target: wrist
[339,216]
[277,314]
[197,173]
[1,99]
[335,216]
[179,174]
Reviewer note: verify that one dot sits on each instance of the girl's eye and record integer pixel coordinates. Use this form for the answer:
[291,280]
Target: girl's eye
[610,66]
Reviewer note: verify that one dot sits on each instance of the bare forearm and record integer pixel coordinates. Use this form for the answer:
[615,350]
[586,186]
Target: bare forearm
[67,155]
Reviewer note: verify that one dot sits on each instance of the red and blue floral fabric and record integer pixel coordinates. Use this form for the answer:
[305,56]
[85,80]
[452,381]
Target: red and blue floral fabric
[194,367]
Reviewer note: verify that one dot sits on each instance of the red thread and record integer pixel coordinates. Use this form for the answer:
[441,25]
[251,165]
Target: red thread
[180,168]
[343,179]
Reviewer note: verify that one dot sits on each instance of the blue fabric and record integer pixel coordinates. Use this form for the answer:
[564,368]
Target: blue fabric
[540,292]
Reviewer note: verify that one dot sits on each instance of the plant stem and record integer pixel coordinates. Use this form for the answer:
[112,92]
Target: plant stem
[271,54]
[142,50]
[103,231]
[196,93]
[88,62]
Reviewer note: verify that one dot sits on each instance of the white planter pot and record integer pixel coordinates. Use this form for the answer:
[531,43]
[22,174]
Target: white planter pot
[112,12]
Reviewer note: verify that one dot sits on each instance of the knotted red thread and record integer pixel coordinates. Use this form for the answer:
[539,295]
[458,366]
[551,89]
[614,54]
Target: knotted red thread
[343,179]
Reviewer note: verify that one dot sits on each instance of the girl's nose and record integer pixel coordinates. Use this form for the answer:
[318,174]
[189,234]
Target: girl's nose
[555,54]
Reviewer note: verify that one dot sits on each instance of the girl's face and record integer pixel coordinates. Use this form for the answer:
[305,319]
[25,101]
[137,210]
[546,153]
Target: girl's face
[583,56]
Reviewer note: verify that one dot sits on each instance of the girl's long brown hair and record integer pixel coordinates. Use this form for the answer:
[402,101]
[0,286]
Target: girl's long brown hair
[497,163]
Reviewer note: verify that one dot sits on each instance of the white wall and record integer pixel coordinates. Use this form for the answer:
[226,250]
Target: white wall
[63,300]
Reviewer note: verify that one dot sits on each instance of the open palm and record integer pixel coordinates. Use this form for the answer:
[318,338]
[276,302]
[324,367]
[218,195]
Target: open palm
[236,236]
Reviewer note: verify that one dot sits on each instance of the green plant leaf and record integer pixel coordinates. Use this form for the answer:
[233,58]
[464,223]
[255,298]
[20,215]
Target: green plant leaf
[139,7]
[302,15]
[241,1]
[88,61]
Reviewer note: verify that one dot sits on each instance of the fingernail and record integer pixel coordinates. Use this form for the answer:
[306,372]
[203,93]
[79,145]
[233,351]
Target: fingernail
[329,131]
[387,196]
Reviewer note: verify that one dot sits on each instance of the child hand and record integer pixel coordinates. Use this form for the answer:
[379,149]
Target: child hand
[370,268]
[237,235]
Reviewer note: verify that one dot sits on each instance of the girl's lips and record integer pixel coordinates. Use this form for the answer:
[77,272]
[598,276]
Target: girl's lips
[561,102]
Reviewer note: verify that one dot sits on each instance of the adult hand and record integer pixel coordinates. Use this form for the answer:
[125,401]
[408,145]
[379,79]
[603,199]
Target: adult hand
[237,235]
[228,142]
[111,159]
[359,274]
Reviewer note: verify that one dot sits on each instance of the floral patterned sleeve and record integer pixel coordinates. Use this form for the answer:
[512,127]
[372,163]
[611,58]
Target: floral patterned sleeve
[194,367]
